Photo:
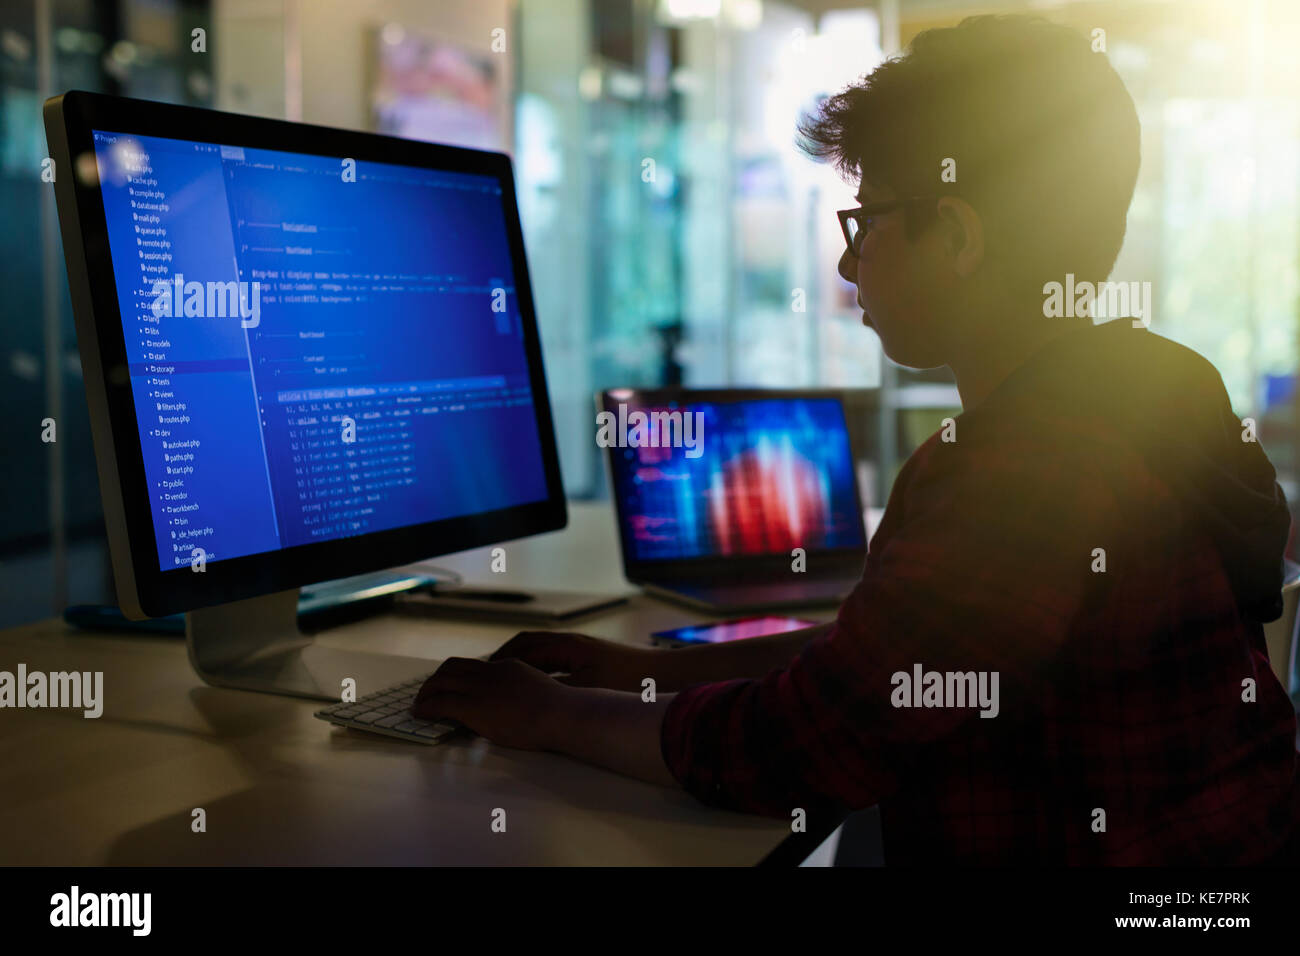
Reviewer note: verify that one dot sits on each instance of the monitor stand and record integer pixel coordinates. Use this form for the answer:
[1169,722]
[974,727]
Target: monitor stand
[255,644]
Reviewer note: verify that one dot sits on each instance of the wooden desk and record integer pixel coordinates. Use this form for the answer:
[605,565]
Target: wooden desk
[281,787]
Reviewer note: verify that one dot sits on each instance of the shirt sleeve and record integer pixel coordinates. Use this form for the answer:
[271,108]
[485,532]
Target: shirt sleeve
[983,574]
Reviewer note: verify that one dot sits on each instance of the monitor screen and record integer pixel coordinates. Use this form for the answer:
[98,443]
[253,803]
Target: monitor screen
[767,476]
[317,347]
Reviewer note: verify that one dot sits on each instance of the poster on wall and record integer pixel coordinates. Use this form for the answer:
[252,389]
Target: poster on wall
[431,89]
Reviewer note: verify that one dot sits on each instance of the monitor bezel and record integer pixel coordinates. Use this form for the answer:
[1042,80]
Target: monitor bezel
[144,588]
[668,570]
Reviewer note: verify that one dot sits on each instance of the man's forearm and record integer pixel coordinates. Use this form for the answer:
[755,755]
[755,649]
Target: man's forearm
[620,731]
[613,729]
[752,657]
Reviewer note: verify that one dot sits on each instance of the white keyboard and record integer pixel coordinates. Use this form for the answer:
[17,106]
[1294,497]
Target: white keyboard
[388,712]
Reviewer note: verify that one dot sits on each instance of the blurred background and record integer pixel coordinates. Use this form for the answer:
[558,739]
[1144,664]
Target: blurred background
[675,234]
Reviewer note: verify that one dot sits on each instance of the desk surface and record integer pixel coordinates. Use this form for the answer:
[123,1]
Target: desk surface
[281,787]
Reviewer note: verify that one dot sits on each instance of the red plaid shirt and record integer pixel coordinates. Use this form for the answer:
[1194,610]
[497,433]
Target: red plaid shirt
[1120,691]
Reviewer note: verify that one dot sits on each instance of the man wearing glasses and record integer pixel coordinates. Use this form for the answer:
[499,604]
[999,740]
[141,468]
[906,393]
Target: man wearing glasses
[1093,538]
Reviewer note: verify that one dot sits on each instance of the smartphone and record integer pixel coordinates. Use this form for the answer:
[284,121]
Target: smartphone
[722,631]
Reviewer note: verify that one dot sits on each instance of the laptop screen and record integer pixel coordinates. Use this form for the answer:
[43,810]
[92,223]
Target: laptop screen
[757,477]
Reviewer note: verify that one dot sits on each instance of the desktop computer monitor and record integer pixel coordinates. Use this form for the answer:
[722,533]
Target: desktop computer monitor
[308,354]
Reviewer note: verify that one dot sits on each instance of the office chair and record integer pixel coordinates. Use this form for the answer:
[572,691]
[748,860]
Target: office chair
[1280,635]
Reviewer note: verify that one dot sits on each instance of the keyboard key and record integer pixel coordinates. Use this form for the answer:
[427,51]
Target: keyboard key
[434,730]
[389,708]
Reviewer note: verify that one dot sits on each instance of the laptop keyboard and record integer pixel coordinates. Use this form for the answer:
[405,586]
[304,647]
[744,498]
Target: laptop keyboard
[388,712]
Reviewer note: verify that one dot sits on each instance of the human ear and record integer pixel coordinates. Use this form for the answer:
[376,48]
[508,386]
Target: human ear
[963,235]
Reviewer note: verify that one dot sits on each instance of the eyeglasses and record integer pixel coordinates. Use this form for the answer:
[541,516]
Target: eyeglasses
[856,223]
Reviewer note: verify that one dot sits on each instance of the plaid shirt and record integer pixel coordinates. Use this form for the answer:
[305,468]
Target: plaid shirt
[1119,691]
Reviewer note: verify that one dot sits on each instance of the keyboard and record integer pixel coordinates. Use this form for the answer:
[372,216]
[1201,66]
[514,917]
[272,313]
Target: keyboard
[388,712]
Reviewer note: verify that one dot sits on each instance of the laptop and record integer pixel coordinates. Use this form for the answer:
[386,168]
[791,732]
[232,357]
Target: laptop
[734,499]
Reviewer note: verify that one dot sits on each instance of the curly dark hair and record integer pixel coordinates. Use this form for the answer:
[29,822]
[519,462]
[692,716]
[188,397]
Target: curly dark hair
[1044,136]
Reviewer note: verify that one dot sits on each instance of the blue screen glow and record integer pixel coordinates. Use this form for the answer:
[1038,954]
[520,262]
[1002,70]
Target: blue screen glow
[315,352]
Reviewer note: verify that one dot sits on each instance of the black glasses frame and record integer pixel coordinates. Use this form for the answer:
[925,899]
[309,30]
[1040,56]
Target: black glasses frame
[853,239]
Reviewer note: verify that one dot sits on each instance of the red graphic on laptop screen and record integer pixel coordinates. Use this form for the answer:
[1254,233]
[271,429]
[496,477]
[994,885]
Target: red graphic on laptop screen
[764,501]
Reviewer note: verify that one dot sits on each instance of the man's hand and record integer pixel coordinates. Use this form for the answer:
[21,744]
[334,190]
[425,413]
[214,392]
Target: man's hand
[508,702]
[588,661]
[516,705]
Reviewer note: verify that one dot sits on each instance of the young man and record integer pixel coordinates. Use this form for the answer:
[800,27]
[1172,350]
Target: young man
[1055,652]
